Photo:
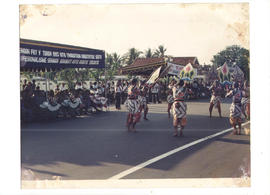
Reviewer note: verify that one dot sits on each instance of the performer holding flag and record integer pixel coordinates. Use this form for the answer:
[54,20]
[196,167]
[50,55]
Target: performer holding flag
[136,100]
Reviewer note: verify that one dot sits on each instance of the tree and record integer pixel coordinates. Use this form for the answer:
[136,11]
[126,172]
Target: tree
[233,55]
[113,64]
[148,53]
[67,75]
[160,52]
[131,55]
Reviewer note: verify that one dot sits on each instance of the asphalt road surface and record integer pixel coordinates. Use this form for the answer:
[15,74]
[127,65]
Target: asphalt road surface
[99,147]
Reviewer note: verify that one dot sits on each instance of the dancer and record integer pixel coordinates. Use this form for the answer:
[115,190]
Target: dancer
[142,98]
[179,108]
[235,109]
[170,101]
[216,90]
[132,106]
[246,101]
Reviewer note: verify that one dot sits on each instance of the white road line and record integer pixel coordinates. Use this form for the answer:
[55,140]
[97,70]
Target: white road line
[153,160]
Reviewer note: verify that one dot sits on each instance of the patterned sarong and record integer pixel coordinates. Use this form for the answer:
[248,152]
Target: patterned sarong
[142,101]
[245,101]
[132,106]
[215,100]
[235,111]
[179,109]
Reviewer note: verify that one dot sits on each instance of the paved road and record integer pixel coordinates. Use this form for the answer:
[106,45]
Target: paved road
[99,146]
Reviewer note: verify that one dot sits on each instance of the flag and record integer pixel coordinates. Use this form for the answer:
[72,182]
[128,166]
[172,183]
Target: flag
[224,74]
[166,70]
[187,71]
[238,74]
[154,76]
[225,69]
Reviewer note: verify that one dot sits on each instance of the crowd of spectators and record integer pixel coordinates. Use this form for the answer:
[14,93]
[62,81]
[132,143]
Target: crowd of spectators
[65,102]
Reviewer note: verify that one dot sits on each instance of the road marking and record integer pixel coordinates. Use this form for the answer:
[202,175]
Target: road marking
[153,160]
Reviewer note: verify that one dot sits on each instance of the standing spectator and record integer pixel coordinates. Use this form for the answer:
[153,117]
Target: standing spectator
[154,91]
[118,91]
[112,93]
[33,85]
[195,88]
[57,89]
[124,92]
[63,87]
[159,88]
[24,84]
[95,86]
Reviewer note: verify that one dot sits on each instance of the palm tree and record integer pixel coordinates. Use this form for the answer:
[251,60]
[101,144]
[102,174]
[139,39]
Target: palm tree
[148,53]
[131,55]
[117,61]
[160,52]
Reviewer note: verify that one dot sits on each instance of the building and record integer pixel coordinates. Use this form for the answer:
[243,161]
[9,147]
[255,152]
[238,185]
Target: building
[145,66]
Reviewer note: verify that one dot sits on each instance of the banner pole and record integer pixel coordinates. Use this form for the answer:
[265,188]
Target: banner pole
[105,73]
[46,80]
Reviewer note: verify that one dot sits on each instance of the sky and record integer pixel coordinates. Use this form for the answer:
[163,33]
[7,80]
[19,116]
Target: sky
[200,30]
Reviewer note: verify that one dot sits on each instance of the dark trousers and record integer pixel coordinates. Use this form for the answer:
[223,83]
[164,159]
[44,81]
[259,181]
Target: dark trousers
[117,100]
[123,97]
[154,97]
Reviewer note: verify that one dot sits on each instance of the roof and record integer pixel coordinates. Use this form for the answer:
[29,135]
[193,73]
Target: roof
[185,60]
[176,60]
[145,61]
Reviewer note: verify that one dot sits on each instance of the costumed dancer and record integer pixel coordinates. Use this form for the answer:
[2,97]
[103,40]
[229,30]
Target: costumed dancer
[235,109]
[170,101]
[133,106]
[179,108]
[216,90]
[144,88]
[246,101]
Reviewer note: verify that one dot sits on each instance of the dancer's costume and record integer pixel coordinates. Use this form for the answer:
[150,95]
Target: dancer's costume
[133,105]
[246,100]
[235,109]
[170,101]
[179,107]
[216,94]
[142,96]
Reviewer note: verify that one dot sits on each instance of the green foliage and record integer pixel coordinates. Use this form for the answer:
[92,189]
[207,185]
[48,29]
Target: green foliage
[131,55]
[148,53]
[233,55]
[160,52]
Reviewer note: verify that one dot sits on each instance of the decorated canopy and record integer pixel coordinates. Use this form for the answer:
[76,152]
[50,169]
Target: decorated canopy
[38,55]
[187,73]
[224,73]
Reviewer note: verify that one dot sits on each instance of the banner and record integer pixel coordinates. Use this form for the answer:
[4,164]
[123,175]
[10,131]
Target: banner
[187,72]
[37,54]
[174,69]
[154,76]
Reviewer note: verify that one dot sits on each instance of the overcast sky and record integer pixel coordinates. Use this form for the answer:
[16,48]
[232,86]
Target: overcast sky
[200,30]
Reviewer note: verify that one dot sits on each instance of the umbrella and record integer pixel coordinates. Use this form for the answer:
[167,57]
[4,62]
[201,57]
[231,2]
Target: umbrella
[186,79]
[226,83]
